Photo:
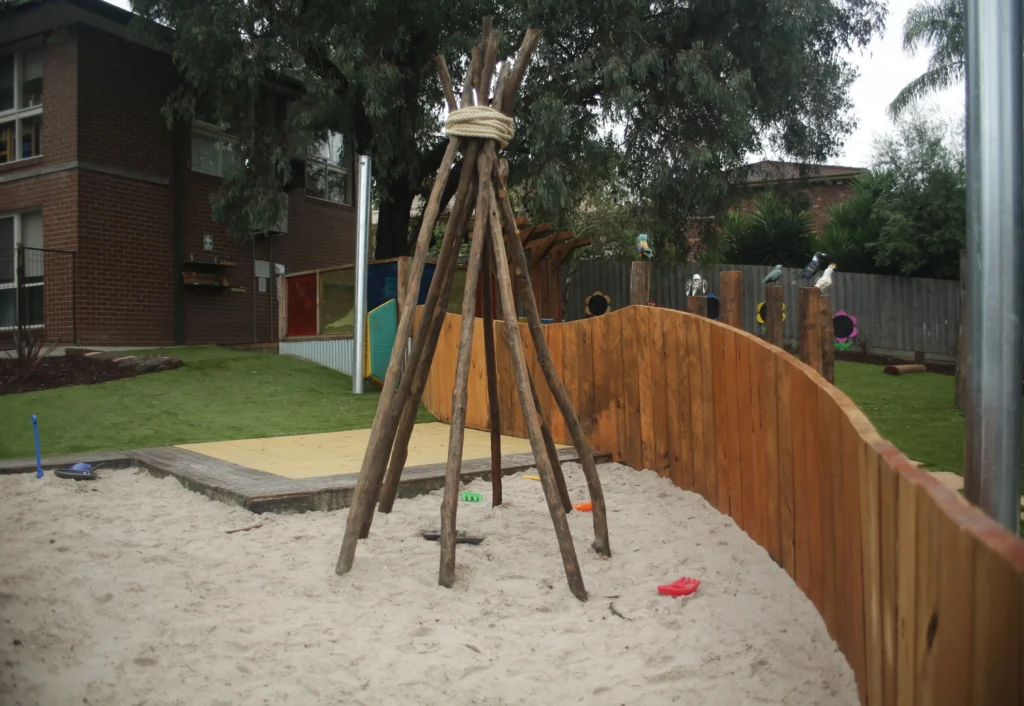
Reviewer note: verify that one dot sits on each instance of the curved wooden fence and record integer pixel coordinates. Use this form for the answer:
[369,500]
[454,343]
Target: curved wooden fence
[923,593]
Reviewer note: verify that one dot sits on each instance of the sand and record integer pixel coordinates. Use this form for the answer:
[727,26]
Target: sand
[128,591]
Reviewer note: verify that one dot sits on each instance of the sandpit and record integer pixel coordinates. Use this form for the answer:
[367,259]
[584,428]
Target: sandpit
[128,590]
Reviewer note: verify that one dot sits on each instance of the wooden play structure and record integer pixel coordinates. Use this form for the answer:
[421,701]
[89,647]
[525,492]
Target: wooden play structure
[547,250]
[478,131]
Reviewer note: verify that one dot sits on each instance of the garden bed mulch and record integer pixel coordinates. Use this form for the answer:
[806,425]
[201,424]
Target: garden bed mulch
[80,368]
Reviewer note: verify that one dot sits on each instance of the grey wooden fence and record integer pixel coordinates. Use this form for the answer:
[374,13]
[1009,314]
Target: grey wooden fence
[897,315]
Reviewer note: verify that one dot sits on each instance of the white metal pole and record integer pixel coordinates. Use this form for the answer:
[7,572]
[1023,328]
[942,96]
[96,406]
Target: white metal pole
[362,263]
[995,290]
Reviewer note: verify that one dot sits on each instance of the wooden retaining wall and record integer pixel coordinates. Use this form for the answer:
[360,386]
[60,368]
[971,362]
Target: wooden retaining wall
[923,594]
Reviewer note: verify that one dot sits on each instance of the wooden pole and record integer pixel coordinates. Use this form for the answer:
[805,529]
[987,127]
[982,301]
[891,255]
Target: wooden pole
[385,422]
[959,391]
[494,405]
[457,432]
[406,424]
[904,369]
[549,446]
[773,301]
[515,344]
[640,283]
[402,267]
[730,285]
[828,339]
[601,544]
[697,305]
[436,301]
[810,327]
[484,204]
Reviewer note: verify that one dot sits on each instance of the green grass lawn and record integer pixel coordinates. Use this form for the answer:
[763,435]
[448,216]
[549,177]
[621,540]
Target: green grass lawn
[218,394]
[914,412]
[221,394]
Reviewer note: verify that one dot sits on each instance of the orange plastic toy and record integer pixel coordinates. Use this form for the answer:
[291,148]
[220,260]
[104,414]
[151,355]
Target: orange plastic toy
[584,507]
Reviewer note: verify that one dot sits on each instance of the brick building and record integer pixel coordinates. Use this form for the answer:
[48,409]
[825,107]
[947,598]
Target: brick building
[89,166]
[820,185]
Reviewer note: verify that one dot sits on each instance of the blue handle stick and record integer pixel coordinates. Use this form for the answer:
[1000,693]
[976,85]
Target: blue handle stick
[39,457]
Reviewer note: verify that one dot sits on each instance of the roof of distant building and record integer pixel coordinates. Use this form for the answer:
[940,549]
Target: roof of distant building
[773,172]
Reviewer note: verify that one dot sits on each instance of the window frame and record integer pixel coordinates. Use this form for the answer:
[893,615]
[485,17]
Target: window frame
[18,238]
[218,135]
[318,162]
[18,114]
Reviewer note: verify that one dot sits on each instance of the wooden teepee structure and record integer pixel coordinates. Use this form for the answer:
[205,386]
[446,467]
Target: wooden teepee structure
[478,131]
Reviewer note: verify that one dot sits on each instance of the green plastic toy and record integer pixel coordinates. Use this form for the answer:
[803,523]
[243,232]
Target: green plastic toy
[471,497]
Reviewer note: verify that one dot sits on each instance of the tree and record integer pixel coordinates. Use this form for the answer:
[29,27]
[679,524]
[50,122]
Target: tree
[909,215]
[942,25]
[851,232]
[668,95]
[773,233]
[921,210]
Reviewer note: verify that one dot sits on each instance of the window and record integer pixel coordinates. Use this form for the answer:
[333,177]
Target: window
[213,152]
[21,234]
[327,170]
[21,105]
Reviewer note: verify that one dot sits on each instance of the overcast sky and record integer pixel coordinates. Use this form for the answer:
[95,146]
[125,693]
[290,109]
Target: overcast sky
[884,70]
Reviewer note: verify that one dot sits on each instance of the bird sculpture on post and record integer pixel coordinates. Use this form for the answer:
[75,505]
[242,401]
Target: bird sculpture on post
[644,251]
[825,281]
[479,131]
[696,286]
[812,267]
[774,276]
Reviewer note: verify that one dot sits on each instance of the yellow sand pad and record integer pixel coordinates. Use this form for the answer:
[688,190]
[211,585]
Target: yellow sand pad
[314,455]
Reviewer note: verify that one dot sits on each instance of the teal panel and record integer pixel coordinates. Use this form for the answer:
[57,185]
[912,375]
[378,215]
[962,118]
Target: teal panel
[382,328]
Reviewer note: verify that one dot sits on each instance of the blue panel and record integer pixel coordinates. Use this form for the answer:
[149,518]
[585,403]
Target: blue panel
[428,274]
[381,284]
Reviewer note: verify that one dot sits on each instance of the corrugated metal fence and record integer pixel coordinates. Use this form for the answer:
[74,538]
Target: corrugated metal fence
[333,353]
[897,315]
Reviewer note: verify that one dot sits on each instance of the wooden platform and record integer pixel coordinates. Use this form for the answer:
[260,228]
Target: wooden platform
[260,492]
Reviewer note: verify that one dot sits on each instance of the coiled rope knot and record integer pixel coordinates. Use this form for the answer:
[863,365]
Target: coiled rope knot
[480,121]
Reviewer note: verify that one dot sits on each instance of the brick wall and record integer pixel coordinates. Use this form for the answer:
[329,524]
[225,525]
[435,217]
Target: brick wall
[123,87]
[59,139]
[125,261]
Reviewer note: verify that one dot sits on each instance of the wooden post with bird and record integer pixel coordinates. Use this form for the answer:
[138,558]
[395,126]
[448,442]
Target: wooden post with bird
[828,339]
[697,305]
[773,302]
[640,283]
[810,327]
[478,131]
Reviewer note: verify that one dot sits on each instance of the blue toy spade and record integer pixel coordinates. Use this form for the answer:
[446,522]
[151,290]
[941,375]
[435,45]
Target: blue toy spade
[39,456]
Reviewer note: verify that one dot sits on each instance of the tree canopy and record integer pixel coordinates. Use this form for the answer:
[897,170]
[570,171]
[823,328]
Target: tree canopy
[942,25]
[909,215]
[663,96]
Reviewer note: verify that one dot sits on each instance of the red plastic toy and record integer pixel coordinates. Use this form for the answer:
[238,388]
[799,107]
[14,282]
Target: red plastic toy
[680,587]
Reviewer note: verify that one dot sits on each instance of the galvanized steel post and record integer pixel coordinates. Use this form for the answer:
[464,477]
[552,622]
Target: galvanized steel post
[362,261]
[995,290]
